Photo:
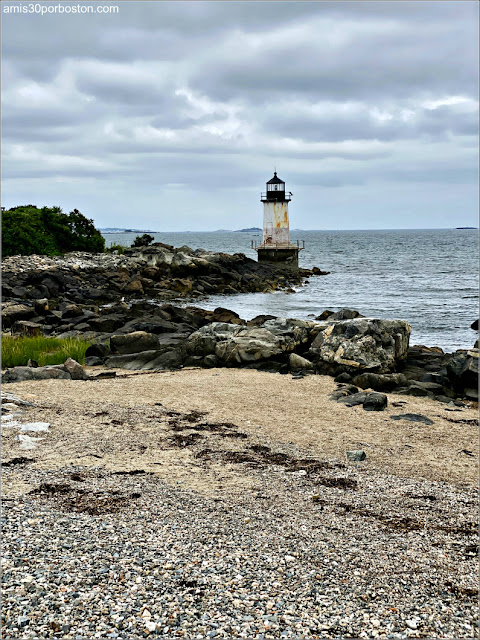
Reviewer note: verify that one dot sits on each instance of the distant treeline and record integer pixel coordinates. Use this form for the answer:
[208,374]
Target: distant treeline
[48,231]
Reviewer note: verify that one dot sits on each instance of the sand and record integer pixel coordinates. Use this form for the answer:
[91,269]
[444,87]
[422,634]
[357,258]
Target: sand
[123,424]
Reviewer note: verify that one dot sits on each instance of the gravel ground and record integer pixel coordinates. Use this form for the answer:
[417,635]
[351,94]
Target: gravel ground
[278,544]
[291,559]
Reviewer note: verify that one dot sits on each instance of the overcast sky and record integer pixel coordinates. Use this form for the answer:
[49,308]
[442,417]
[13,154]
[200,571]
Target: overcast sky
[172,115]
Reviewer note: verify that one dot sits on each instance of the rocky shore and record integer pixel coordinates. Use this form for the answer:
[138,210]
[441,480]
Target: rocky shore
[121,304]
[158,271]
[178,486]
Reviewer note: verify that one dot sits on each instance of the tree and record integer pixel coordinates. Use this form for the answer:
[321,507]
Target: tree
[48,231]
[84,234]
[143,241]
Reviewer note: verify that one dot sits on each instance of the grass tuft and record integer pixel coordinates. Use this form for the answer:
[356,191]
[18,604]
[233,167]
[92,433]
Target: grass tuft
[119,248]
[17,350]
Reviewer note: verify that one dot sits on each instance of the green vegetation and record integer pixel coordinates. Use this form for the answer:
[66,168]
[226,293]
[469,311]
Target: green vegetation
[48,231]
[119,248]
[143,241]
[17,350]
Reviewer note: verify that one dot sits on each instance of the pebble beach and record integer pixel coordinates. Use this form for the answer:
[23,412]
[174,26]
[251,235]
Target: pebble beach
[169,512]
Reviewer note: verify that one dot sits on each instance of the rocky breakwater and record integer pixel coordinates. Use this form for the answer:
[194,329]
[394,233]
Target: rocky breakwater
[284,345]
[97,294]
[158,271]
[369,354]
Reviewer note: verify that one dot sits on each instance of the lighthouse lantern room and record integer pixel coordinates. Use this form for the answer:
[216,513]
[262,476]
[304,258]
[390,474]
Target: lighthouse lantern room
[276,246]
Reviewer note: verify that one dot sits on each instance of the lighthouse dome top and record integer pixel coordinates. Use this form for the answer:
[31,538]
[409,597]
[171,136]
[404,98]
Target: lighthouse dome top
[275,179]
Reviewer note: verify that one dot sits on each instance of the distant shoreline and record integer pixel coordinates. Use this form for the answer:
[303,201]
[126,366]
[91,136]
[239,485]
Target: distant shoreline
[129,231]
[256,230]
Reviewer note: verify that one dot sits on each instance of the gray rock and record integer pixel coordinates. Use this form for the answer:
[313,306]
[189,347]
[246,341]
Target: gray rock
[297,363]
[345,314]
[225,315]
[41,306]
[301,332]
[75,369]
[445,399]
[327,313]
[375,401]
[356,455]
[380,382]
[134,342]
[354,399]
[343,377]
[97,349]
[462,370]
[236,345]
[416,389]
[471,394]
[147,360]
[193,361]
[259,320]
[19,374]
[211,361]
[436,377]
[27,328]
[204,341]
[107,323]
[361,344]
[70,310]
[93,361]
[12,313]
[250,345]
[413,417]
[343,390]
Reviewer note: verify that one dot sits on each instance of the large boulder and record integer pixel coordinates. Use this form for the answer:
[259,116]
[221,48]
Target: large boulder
[297,363]
[302,332]
[225,315]
[236,345]
[250,345]
[203,342]
[12,313]
[360,345]
[134,342]
[75,369]
[462,371]
[380,382]
[343,314]
[147,360]
[108,323]
[19,374]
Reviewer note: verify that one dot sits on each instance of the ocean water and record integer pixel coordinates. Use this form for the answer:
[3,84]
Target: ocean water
[427,277]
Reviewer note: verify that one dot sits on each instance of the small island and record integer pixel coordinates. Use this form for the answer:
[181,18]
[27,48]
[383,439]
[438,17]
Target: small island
[116,230]
[247,230]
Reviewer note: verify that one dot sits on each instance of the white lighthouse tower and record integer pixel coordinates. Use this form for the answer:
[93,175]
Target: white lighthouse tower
[276,246]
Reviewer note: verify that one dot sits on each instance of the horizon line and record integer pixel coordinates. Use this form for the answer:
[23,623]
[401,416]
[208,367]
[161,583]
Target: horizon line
[466,227]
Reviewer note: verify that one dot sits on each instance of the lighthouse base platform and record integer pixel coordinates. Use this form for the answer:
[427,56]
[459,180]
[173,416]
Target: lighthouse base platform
[276,254]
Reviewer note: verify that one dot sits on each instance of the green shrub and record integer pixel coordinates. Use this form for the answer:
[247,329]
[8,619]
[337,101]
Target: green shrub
[17,350]
[116,247]
[48,231]
[143,241]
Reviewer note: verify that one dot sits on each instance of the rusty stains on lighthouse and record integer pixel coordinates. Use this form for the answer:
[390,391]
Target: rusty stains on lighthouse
[276,246]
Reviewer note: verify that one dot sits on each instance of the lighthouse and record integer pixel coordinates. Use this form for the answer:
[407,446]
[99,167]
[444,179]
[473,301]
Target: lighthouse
[276,246]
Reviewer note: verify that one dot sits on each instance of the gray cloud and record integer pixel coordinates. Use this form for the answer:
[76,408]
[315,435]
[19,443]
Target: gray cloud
[197,101]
